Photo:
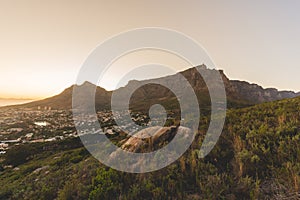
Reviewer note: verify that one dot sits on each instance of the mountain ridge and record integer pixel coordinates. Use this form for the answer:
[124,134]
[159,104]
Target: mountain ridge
[238,92]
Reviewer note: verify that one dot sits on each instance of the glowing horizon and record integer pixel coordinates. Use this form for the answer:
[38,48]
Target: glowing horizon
[44,44]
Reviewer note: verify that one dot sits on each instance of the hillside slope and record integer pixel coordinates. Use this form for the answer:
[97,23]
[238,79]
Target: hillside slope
[257,157]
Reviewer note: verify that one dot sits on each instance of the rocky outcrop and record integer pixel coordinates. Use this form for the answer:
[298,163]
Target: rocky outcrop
[150,138]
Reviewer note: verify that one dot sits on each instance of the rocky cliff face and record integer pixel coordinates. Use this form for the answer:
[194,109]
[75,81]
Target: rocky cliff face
[256,94]
[239,93]
[238,90]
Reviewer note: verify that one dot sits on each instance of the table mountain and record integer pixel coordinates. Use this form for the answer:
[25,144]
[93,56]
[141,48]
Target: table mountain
[239,93]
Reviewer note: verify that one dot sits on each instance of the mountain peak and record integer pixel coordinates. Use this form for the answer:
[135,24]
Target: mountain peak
[87,83]
[238,92]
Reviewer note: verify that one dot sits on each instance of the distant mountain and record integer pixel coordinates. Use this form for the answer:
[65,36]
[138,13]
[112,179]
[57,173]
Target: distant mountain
[13,101]
[256,94]
[239,93]
[16,99]
[64,99]
[239,90]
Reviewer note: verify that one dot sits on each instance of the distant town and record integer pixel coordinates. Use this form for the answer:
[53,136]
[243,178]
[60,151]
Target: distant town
[19,126]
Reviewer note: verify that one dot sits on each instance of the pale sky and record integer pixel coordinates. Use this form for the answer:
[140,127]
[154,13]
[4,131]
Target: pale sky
[44,43]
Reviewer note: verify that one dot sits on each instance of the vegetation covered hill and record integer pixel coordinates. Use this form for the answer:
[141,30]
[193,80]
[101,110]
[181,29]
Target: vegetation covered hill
[257,157]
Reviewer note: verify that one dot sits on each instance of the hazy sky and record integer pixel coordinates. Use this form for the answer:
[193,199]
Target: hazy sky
[44,43]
